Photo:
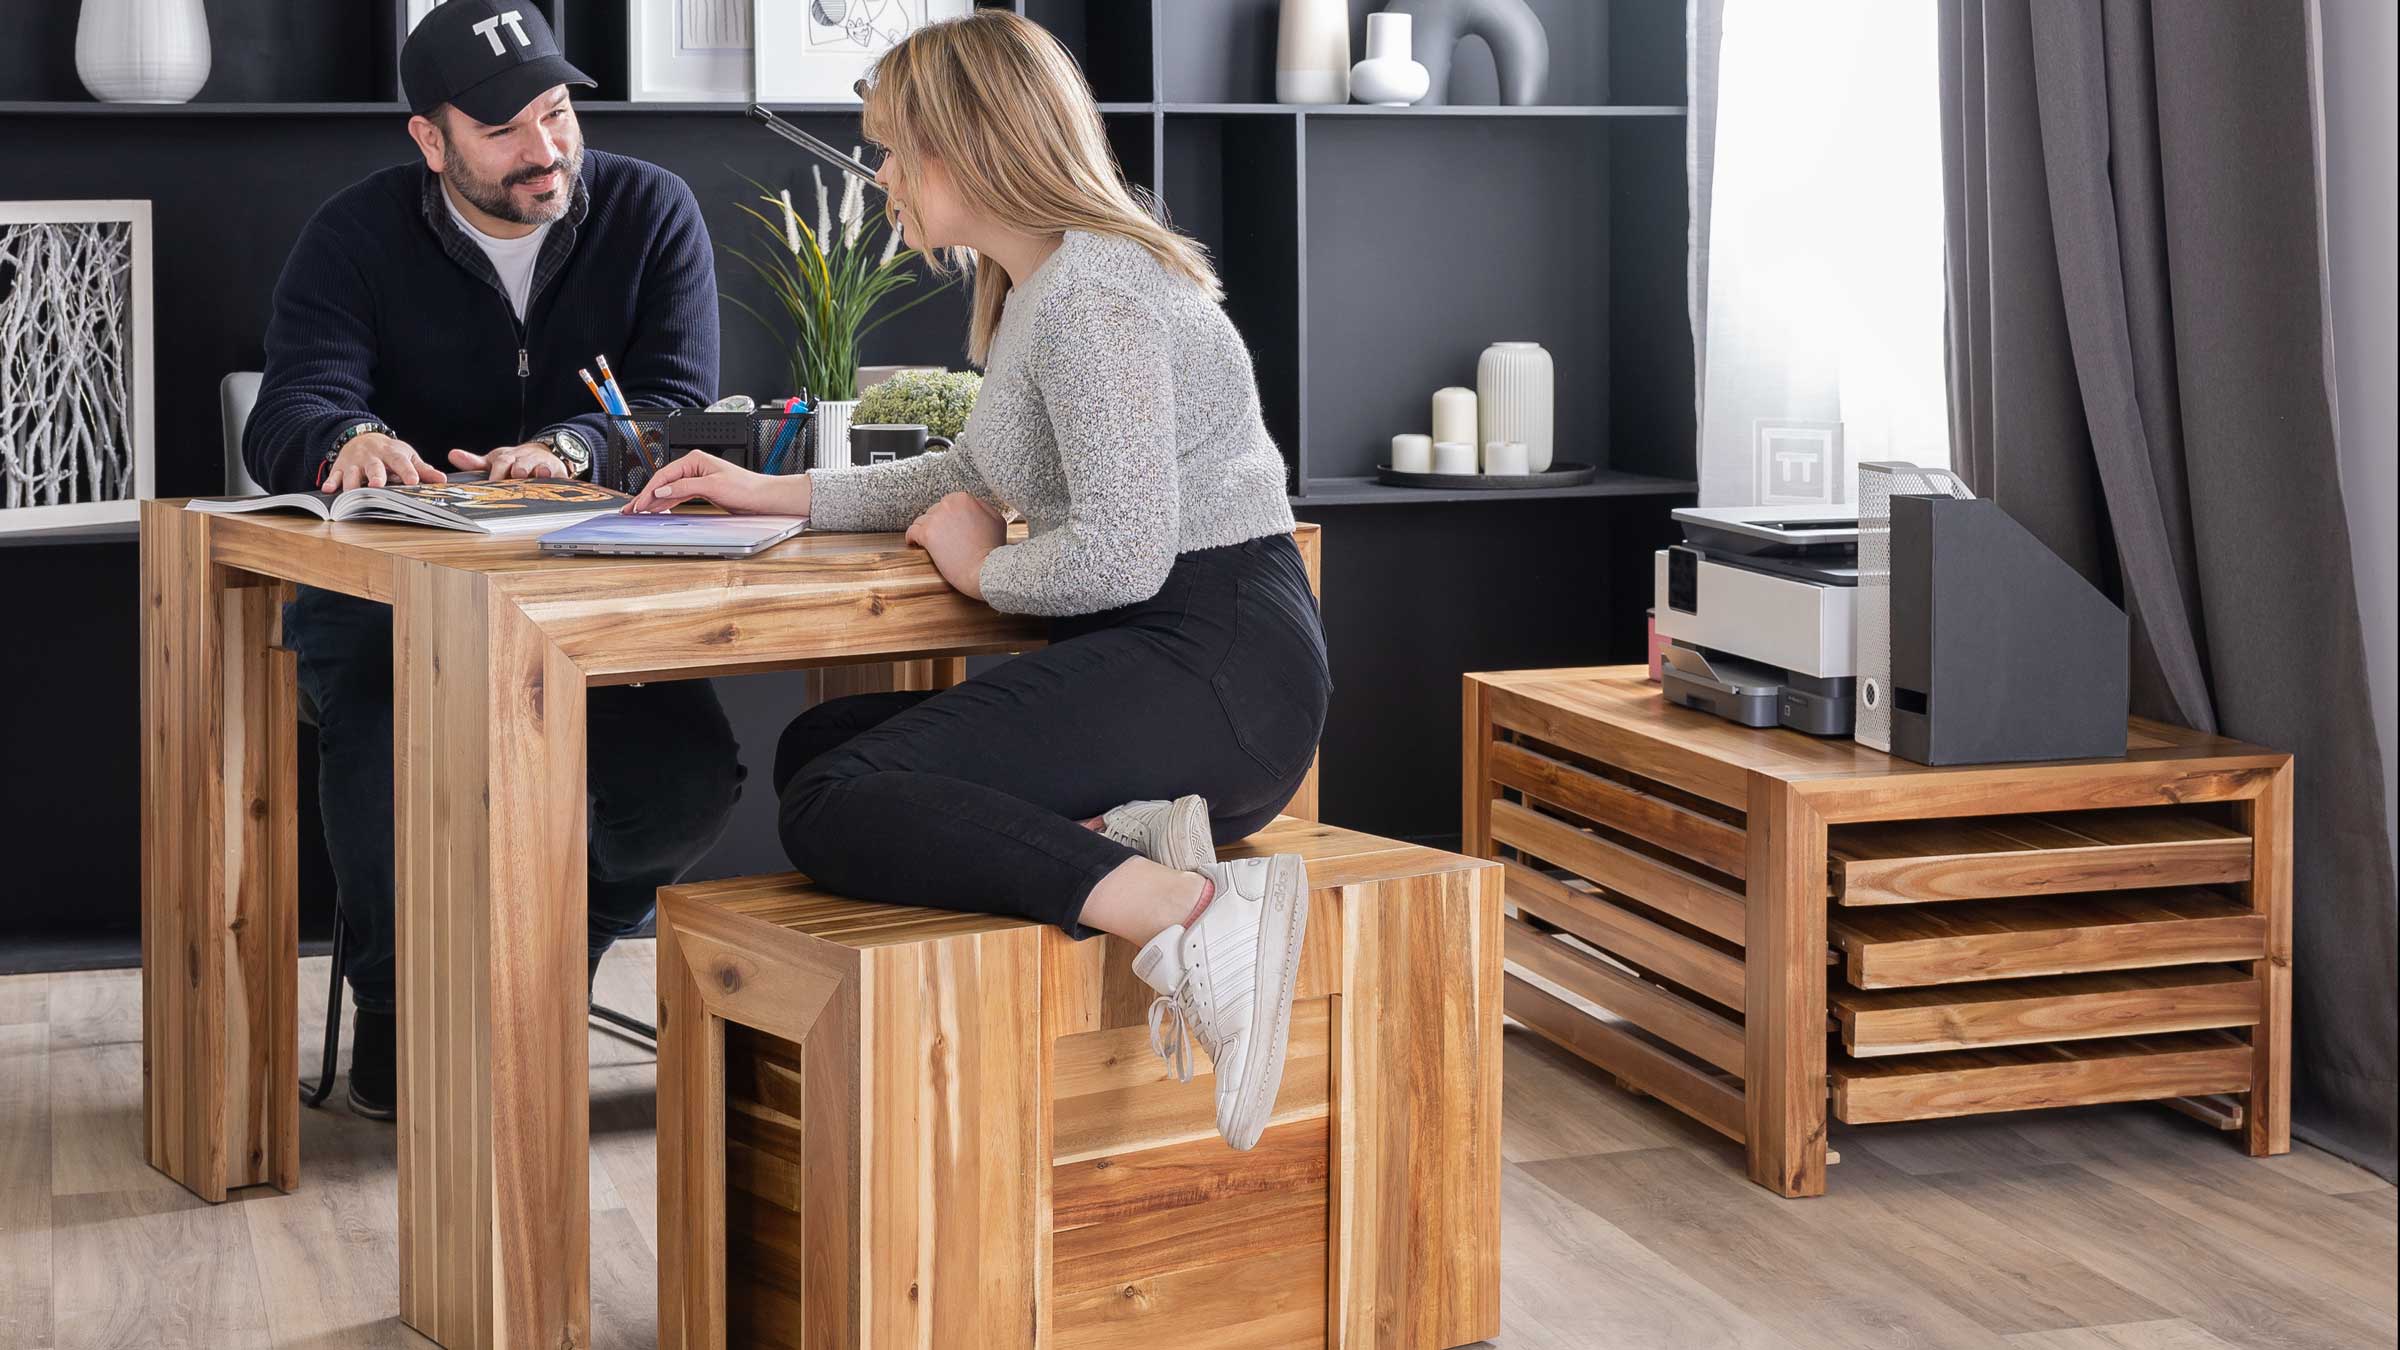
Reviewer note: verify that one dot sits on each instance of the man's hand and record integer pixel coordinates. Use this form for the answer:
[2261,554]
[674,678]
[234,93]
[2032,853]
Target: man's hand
[960,532]
[530,460]
[374,459]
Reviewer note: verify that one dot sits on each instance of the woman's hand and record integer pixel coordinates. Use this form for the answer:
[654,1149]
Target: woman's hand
[960,532]
[700,476]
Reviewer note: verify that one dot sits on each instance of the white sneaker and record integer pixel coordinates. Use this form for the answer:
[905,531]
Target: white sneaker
[1171,834]
[1227,981]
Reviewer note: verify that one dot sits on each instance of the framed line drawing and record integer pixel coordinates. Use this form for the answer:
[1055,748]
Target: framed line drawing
[690,51]
[813,51]
[76,413]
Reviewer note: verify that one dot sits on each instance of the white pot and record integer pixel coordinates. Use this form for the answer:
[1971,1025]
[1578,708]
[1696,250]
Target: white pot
[1312,52]
[142,51]
[1390,77]
[1513,385]
[830,424]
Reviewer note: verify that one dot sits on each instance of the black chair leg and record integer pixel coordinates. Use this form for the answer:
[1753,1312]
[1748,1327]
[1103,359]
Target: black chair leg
[314,1095]
[633,1025]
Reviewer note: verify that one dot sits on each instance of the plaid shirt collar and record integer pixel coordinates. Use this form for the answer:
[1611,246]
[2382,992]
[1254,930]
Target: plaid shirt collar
[463,251]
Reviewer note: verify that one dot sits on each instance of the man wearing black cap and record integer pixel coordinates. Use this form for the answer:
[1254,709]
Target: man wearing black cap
[433,318]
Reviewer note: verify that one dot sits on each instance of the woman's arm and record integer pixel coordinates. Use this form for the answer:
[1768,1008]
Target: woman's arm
[1100,360]
[889,496]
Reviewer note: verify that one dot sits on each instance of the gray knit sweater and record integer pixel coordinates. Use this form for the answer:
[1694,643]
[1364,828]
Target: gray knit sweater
[1118,416]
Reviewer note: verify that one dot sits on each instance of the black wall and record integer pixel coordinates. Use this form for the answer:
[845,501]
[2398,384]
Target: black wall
[1414,594]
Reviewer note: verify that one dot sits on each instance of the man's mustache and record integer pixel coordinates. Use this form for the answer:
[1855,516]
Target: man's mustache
[528,175]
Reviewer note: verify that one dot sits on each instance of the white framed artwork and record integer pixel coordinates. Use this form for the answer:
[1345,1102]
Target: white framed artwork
[75,364]
[813,51]
[690,51]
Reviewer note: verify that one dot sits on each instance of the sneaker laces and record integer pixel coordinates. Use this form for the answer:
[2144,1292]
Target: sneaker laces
[1171,1030]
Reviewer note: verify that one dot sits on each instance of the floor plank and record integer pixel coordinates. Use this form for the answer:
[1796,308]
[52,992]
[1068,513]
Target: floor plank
[24,999]
[25,1183]
[1571,1280]
[2191,1271]
[2171,1334]
[154,1270]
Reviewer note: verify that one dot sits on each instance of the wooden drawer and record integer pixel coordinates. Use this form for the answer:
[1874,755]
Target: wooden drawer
[1889,947]
[2023,1078]
[1902,862]
[2059,1008]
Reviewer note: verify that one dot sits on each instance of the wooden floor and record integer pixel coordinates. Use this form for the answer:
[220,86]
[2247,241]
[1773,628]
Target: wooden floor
[1626,1225]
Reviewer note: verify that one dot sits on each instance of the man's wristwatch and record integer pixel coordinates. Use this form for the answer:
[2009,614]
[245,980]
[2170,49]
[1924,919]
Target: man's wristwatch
[569,446]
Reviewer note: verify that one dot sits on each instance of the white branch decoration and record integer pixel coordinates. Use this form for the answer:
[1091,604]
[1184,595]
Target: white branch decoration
[65,345]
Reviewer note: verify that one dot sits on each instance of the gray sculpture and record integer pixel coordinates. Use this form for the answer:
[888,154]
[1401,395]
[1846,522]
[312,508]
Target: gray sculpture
[1520,49]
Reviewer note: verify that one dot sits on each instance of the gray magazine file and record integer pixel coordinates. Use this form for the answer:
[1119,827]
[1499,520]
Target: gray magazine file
[2000,651]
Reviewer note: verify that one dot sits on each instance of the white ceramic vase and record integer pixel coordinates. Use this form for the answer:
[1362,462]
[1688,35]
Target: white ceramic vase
[1514,390]
[142,51]
[829,422]
[1312,52]
[1390,77]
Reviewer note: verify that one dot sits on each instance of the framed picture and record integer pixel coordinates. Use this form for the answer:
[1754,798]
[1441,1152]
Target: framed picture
[690,51]
[813,51]
[75,360]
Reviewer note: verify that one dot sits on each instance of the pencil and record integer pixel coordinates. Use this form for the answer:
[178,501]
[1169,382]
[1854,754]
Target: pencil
[597,396]
[609,378]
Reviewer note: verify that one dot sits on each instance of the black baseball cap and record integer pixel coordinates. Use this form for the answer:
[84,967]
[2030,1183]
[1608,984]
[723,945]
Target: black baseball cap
[489,58]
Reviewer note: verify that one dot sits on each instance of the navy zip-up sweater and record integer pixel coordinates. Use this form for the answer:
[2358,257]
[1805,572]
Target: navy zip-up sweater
[387,312]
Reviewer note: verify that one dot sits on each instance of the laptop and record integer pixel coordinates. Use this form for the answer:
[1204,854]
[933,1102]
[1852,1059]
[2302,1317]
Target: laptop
[674,536]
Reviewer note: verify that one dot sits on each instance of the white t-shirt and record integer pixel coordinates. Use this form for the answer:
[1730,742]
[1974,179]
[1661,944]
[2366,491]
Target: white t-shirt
[513,259]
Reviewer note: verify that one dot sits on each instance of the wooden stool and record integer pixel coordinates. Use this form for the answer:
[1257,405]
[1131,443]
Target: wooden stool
[882,1126]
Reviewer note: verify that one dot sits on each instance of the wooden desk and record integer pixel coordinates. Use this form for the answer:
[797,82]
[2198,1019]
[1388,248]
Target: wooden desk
[493,647]
[1772,920]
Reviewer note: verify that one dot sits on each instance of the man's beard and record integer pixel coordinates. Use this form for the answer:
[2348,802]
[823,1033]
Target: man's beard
[498,200]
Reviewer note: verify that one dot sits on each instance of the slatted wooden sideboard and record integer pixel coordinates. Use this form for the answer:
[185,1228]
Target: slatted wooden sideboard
[1762,928]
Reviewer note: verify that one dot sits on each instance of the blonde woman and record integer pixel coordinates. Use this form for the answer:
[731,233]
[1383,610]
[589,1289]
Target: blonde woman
[1184,688]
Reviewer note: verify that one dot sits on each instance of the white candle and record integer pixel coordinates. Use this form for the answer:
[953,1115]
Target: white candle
[1412,453]
[1454,417]
[1506,457]
[1454,457]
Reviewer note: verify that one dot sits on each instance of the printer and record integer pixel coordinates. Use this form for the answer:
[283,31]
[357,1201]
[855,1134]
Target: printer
[1759,606]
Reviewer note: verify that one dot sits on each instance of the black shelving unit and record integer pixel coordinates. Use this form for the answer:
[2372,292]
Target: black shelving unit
[1369,254]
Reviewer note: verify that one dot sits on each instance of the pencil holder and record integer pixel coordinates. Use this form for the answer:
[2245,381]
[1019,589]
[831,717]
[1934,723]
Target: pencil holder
[646,440]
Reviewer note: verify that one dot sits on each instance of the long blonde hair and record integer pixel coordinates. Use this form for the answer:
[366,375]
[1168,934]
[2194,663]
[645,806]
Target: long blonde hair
[1000,103]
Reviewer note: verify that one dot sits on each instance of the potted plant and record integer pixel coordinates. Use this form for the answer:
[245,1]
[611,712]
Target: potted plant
[938,400]
[832,285]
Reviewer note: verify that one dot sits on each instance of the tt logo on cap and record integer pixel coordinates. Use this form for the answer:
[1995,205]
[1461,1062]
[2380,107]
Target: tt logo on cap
[489,30]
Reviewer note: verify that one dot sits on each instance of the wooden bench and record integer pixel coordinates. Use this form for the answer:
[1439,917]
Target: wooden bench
[883,1126]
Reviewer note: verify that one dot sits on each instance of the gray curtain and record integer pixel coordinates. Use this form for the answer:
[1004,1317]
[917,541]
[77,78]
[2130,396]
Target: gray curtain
[1704,40]
[2137,373]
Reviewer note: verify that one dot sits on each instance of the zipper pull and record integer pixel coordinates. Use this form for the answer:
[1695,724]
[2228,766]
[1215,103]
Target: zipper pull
[524,364]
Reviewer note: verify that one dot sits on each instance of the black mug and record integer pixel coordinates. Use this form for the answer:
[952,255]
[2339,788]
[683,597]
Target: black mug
[883,442]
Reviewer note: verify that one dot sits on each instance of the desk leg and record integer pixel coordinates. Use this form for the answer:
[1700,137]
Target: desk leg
[1783,1001]
[2268,1122]
[495,1235]
[220,919]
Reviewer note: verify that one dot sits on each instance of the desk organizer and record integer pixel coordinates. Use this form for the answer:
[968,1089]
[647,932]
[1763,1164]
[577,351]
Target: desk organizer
[765,441]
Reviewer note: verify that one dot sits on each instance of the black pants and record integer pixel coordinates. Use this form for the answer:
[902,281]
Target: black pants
[969,798]
[662,766]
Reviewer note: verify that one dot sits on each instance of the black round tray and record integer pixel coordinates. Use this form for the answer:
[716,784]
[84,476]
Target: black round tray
[1561,473]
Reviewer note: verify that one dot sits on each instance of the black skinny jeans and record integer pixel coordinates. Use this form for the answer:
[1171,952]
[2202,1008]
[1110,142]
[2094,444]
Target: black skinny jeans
[970,798]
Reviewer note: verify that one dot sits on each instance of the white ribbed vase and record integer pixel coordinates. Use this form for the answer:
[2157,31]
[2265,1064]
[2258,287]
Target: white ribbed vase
[1514,390]
[830,423]
[142,51]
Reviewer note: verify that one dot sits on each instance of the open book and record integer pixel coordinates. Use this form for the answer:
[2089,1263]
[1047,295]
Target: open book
[515,506]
